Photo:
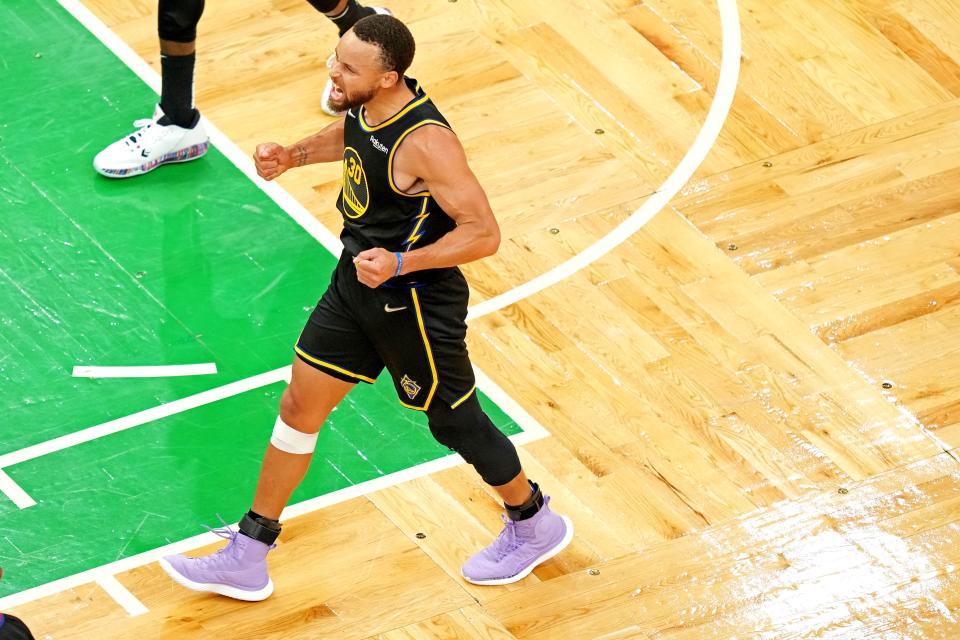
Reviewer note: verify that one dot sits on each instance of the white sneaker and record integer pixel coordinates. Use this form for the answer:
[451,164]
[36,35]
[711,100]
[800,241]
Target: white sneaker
[327,88]
[150,146]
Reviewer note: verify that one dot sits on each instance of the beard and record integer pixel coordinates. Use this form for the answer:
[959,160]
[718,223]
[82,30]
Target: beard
[348,101]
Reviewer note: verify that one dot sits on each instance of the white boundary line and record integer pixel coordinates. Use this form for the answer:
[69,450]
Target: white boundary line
[532,430]
[730,64]
[706,138]
[226,146]
[722,102]
[142,417]
[158,371]
[97,574]
[14,491]
[122,595]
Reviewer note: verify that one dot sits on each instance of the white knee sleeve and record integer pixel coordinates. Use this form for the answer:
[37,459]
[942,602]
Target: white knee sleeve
[288,439]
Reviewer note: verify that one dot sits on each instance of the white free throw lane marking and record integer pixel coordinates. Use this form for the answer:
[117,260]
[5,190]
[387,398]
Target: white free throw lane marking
[143,417]
[719,109]
[159,371]
[532,429]
[226,146]
[14,491]
[122,595]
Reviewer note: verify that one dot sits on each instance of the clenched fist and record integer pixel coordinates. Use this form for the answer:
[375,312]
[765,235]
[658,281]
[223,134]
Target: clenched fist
[271,159]
[375,266]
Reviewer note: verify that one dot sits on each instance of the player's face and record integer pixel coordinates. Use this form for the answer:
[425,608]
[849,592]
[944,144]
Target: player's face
[356,73]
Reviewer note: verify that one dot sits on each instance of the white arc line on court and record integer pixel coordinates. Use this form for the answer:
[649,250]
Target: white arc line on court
[122,595]
[159,371]
[14,491]
[8,486]
[722,102]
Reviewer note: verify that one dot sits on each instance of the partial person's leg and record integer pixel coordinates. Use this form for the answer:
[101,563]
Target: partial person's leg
[177,27]
[174,133]
[177,64]
[239,570]
[304,407]
[532,533]
[344,14]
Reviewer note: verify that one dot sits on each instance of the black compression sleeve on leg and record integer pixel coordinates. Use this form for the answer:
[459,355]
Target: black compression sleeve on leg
[470,432]
[177,19]
[176,96]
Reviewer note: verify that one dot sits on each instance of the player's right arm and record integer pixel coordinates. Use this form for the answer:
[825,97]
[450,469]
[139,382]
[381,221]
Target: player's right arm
[326,145]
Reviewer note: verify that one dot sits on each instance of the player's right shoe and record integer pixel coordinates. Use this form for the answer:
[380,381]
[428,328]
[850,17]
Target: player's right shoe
[150,146]
[327,88]
[238,570]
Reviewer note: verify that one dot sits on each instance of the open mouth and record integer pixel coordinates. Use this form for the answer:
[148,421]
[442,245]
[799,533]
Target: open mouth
[336,93]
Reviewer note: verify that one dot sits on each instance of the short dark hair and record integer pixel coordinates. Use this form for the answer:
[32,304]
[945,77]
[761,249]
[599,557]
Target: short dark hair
[392,37]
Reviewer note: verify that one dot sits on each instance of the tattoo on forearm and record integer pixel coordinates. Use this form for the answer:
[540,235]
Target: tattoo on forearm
[301,155]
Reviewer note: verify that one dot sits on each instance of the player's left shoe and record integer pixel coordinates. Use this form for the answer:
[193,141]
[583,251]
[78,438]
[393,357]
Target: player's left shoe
[520,547]
[150,146]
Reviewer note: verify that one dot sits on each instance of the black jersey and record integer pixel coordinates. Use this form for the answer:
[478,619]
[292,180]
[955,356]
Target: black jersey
[375,212]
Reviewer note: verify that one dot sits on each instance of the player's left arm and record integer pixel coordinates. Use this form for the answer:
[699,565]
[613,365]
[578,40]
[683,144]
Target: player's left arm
[434,154]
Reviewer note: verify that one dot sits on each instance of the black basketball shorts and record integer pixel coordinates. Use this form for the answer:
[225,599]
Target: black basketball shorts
[417,332]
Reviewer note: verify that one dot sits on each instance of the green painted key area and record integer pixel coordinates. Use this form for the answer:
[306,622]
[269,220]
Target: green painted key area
[189,264]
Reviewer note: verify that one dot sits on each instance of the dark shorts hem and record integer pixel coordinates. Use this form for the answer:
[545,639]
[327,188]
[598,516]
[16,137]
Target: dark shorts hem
[331,369]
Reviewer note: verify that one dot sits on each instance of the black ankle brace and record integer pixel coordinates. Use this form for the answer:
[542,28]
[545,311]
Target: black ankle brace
[260,529]
[529,508]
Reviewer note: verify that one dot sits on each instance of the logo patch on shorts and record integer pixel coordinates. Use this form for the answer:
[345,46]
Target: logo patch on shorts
[410,387]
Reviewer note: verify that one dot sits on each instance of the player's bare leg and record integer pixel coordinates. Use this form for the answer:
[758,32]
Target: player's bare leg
[239,570]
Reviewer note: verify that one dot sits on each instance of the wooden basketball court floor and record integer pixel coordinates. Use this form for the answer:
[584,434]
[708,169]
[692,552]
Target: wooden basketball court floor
[753,400]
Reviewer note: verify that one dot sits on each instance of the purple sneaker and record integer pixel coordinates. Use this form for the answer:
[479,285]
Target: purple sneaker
[520,547]
[239,570]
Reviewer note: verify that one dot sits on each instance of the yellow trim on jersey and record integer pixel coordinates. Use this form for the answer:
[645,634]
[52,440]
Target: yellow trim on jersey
[421,218]
[310,358]
[426,344]
[412,105]
[393,151]
[464,398]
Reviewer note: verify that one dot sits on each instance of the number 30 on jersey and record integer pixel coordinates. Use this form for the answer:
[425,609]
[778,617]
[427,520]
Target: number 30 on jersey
[356,193]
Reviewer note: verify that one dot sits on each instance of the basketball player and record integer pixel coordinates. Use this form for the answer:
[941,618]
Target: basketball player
[175,133]
[412,211]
